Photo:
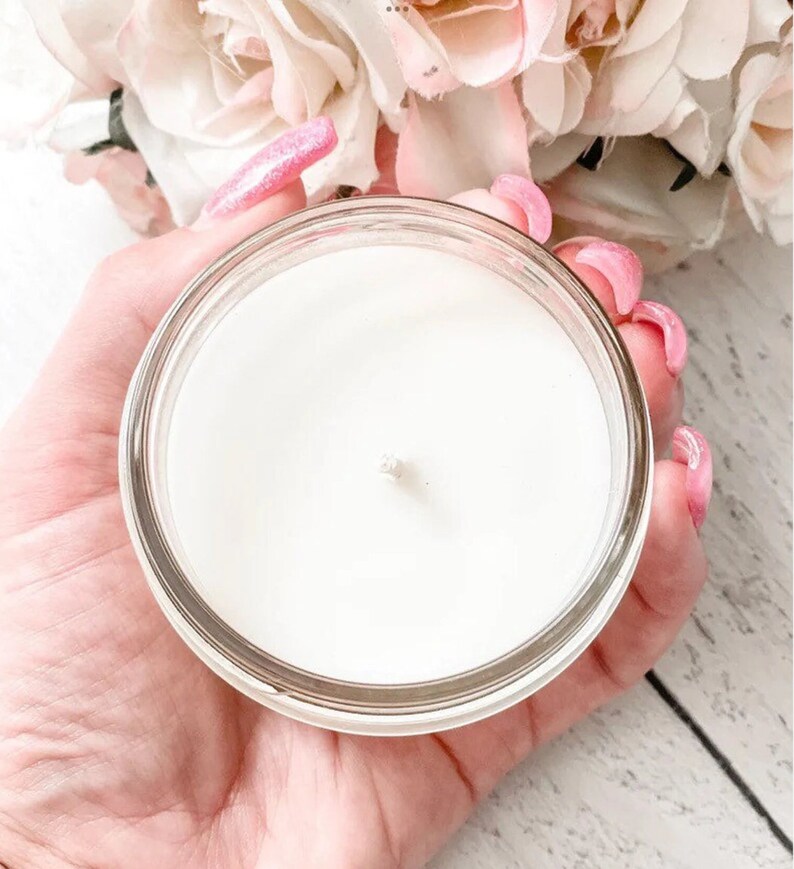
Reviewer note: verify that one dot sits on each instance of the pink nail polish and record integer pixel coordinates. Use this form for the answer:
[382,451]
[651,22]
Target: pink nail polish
[673,330]
[620,266]
[531,199]
[272,168]
[690,448]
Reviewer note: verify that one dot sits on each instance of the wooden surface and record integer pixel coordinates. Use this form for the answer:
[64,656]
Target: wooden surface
[693,771]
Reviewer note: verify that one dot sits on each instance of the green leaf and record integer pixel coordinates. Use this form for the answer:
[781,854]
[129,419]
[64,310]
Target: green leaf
[118,132]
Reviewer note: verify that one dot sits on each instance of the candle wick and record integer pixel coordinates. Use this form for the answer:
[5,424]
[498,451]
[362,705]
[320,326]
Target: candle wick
[390,466]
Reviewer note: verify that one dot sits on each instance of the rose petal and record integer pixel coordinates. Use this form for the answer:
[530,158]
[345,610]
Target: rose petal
[449,145]
[166,156]
[312,35]
[767,18]
[727,35]
[531,199]
[421,55]
[352,162]
[654,19]
[554,95]
[94,25]
[361,21]
[123,175]
[635,77]
[539,17]
[482,48]
[645,119]
[760,157]
[549,161]
[628,199]
[34,86]
[61,42]
[701,123]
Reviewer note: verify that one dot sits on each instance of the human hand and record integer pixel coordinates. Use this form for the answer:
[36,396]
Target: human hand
[119,748]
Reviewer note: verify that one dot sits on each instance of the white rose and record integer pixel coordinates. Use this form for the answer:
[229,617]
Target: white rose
[477,43]
[628,200]
[640,81]
[212,86]
[207,84]
[701,122]
[760,147]
[556,86]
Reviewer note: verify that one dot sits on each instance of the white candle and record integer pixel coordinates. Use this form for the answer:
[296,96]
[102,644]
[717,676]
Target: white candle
[388,464]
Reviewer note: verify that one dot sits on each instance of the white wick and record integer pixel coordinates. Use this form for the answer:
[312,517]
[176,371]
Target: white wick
[390,466]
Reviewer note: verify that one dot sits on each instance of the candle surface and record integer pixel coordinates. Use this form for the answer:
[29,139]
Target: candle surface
[388,464]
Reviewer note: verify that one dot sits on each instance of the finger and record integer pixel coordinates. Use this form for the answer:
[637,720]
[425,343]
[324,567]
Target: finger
[514,200]
[652,351]
[654,334]
[668,579]
[612,272]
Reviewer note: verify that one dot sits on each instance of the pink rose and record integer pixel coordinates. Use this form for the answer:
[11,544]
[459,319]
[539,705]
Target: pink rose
[442,44]
[124,175]
[555,87]
[461,141]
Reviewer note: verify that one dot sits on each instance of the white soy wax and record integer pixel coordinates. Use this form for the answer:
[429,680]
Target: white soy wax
[388,465]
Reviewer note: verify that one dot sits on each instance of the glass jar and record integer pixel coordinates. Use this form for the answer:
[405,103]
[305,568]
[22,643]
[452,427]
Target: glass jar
[370,708]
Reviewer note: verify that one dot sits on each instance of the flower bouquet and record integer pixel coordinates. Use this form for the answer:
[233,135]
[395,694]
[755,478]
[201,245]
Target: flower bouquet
[662,123]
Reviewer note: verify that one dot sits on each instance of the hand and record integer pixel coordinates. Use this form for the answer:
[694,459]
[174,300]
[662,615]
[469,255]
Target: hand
[119,748]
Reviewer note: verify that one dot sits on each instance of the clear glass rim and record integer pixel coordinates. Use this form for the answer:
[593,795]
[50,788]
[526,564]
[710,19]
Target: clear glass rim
[231,654]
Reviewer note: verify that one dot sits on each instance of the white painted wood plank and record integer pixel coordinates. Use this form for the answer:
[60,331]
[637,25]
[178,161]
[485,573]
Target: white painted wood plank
[626,789]
[731,667]
[53,233]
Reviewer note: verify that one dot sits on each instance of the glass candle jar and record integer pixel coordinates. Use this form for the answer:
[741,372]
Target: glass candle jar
[386,466]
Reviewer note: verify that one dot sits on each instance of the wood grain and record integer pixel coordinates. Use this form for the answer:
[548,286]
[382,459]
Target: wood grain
[626,789]
[732,664]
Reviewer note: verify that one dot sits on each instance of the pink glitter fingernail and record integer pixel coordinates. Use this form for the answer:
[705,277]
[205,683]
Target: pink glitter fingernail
[620,266]
[529,197]
[272,168]
[690,448]
[675,345]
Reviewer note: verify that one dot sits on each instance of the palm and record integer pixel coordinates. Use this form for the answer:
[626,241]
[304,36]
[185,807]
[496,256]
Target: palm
[117,742]
[164,760]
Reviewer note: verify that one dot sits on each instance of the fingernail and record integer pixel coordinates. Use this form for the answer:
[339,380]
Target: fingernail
[620,266]
[531,199]
[271,169]
[673,331]
[690,448]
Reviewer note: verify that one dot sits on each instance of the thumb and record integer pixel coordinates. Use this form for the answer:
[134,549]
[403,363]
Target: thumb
[59,448]
[84,382]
